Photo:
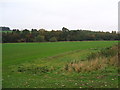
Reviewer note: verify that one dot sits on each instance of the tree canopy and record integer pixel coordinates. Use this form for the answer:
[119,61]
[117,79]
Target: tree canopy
[65,34]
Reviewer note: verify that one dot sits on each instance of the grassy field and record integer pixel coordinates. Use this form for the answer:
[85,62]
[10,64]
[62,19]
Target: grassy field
[41,65]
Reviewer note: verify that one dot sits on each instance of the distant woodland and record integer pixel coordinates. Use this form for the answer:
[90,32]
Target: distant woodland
[42,35]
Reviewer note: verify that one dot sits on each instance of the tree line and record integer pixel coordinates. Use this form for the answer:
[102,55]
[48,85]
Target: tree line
[65,34]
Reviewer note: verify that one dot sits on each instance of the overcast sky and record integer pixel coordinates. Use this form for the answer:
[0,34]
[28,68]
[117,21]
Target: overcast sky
[97,15]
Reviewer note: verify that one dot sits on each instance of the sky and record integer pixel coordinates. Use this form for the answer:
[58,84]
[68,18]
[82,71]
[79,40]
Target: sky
[95,15]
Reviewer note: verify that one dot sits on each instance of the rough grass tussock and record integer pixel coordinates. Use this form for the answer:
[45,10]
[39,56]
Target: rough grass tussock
[95,61]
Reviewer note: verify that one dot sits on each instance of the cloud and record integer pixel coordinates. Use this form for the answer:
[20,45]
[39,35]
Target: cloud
[54,14]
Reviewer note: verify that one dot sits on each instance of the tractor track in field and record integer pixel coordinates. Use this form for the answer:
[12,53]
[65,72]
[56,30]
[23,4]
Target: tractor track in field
[63,54]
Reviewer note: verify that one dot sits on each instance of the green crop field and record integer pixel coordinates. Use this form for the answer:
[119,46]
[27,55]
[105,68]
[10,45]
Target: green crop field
[40,65]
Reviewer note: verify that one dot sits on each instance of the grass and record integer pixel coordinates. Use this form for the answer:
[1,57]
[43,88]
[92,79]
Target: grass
[40,65]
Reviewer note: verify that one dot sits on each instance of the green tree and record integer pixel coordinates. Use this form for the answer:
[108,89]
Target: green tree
[53,39]
[4,29]
[65,29]
[40,38]
[34,32]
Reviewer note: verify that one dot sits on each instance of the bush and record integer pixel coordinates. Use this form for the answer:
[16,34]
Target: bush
[106,52]
[109,52]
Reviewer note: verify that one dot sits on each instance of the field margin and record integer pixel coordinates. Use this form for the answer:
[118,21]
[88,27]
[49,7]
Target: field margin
[0,60]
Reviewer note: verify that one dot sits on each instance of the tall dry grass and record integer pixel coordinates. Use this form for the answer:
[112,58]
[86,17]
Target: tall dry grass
[102,59]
